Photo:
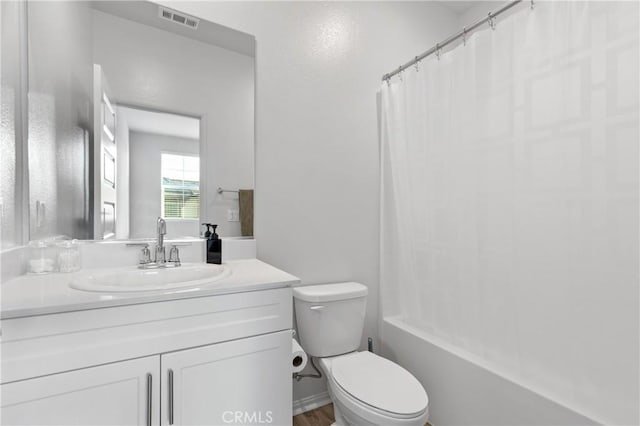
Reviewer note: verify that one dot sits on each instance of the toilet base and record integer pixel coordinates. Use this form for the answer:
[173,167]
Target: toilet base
[337,415]
[340,419]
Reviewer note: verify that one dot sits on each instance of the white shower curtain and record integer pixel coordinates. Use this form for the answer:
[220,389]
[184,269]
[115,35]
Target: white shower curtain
[510,202]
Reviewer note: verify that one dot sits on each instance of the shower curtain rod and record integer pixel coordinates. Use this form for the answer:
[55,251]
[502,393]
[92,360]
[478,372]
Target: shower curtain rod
[436,49]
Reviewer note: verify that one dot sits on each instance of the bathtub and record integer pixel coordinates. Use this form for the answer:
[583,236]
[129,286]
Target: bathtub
[463,391]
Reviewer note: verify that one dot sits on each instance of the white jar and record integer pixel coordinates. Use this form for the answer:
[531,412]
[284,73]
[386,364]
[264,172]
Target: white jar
[68,256]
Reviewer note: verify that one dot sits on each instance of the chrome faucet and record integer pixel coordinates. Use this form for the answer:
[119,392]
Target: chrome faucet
[162,231]
[160,260]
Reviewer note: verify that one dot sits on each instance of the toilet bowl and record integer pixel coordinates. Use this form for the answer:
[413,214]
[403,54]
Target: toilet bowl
[366,389]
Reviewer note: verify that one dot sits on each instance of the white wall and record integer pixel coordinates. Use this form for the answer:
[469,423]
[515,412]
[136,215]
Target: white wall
[157,70]
[145,150]
[318,69]
[480,10]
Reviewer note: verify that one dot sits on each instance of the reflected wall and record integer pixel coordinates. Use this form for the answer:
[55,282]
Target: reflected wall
[9,111]
[59,129]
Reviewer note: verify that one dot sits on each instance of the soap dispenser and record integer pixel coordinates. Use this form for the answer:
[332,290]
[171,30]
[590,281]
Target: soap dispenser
[214,246]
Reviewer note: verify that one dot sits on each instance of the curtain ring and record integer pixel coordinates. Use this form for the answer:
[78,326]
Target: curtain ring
[417,64]
[492,21]
[533,5]
[464,35]
[438,51]
[400,73]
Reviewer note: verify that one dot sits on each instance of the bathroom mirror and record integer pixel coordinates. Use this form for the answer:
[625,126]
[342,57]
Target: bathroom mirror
[136,111]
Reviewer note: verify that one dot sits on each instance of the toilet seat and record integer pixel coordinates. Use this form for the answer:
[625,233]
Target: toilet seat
[376,389]
[380,383]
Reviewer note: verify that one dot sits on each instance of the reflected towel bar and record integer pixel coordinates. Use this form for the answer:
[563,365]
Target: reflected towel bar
[220,190]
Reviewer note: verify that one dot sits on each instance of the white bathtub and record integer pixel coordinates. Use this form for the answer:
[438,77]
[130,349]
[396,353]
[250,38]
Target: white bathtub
[462,391]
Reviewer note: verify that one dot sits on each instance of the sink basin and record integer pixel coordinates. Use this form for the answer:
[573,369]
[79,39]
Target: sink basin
[133,279]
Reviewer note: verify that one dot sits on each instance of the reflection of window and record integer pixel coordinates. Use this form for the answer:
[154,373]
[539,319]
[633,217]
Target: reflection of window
[180,175]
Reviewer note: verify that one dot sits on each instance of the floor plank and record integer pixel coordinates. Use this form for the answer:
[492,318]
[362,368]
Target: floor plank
[322,416]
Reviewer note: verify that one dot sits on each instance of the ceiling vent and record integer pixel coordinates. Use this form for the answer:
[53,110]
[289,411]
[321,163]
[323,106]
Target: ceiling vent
[178,18]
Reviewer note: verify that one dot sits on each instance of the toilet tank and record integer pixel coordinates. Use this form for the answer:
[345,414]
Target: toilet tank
[330,317]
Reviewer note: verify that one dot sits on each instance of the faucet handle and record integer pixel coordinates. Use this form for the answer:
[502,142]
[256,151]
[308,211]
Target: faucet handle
[174,255]
[145,255]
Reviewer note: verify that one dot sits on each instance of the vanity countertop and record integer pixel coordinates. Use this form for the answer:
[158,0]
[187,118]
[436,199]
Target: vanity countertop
[30,295]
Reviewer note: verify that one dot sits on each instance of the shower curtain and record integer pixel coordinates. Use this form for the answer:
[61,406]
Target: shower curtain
[510,202]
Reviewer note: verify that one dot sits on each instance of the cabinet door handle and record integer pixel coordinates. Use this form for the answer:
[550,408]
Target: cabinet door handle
[170,383]
[149,397]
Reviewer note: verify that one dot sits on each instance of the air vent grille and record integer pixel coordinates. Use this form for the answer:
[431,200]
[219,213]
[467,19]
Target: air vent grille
[178,18]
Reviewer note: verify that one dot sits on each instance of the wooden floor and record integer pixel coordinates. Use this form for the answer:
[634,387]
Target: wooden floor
[322,416]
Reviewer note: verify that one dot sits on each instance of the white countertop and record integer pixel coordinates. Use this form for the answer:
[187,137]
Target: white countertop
[30,295]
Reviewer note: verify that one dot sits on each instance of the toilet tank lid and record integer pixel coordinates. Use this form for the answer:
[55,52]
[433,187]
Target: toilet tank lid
[330,292]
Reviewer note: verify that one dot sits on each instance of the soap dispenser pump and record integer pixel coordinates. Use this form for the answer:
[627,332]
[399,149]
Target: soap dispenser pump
[207,232]
[214,246]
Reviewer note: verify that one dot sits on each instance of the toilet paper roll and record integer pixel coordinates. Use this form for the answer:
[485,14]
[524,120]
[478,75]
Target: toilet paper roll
[298,357]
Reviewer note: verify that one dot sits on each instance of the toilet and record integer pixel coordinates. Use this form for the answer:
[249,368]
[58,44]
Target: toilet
[365,388]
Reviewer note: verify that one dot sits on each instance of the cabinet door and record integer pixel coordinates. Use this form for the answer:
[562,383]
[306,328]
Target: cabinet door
[122,393]
[244,382]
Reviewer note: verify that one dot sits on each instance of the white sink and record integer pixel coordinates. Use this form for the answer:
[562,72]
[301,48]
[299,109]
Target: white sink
[131,278]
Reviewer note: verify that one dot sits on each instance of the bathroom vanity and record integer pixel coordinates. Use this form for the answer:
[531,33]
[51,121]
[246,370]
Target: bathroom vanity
[216,353]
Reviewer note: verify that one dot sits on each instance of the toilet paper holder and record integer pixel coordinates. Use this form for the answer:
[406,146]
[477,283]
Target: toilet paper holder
[299,361]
